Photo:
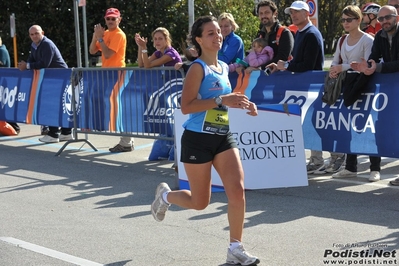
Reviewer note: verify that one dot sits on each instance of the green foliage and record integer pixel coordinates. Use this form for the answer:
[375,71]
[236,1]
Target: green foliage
[57,20]
[242,11]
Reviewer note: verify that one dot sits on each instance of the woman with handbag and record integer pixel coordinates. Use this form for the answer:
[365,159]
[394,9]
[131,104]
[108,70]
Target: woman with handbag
[355,46]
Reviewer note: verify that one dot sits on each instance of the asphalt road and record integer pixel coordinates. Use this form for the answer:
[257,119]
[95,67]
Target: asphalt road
[93,208]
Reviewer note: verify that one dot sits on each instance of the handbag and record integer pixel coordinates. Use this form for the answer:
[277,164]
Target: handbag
[333,86]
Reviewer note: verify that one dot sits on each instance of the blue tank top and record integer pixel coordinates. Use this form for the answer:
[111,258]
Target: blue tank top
[213,84]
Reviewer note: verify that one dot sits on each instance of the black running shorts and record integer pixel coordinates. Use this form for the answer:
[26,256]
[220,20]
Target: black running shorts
[200,148]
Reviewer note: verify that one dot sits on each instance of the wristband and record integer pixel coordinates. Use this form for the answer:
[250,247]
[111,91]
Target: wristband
[144,51]
[100,40]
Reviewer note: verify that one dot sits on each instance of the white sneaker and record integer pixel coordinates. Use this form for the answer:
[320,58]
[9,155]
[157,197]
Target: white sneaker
[241,257]
[344,173]
[65,137]
[159,206]
[374,176]
[49,139]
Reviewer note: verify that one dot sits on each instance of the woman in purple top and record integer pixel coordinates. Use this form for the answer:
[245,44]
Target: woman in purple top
[165,55]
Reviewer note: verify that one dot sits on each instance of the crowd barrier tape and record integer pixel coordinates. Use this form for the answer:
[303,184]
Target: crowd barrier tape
[140,102]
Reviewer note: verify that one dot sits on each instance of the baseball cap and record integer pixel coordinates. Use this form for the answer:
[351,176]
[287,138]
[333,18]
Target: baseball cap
[112,12]
[297,5]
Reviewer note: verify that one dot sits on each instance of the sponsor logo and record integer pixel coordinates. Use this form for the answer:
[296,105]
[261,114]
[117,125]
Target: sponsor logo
[162,102]
[68,102]
[303,98]
[8,97]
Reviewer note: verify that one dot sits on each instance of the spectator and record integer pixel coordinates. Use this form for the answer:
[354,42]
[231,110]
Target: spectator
[279,38]
[395,4]
[356,45]
[260,54]
[370,11]
[165,54]
[4,55]
[308,51]
[207,92]
[308,55]
[112,44]
[5,62]
[45,54]
[385,46]
[191,54]
[232,47]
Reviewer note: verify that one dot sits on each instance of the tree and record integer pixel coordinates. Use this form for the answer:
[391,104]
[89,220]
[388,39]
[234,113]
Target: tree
[57,20]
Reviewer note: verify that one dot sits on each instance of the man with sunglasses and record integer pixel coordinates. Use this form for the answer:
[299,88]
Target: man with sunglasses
[385,46]
[112,44]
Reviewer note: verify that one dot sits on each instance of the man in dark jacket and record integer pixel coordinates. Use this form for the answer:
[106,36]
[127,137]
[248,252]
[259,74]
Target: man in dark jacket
[385,46]
[45,54]
[282,45]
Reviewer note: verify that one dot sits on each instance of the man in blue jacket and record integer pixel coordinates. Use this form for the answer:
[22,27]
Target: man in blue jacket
[45,54]
[308,54]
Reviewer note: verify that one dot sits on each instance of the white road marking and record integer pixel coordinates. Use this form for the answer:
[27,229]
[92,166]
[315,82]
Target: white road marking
[49,252]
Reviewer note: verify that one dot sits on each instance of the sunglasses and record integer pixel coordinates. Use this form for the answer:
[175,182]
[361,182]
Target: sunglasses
[387,17]
[113,19]
[349,20]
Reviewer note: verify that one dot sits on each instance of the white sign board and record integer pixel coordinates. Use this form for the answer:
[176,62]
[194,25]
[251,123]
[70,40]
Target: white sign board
[271,149]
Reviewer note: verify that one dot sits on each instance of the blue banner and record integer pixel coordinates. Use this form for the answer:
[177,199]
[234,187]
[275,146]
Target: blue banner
[140,100]
[366,127]
[40,97]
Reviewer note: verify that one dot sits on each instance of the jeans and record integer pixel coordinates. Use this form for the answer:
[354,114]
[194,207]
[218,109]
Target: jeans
[351,163]
[53,131]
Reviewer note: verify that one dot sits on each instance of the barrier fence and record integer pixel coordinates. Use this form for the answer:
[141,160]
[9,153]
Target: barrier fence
[114,101]
[130,102]
[140,102]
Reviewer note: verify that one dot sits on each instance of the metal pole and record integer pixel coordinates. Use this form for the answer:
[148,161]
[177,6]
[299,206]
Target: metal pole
[77,33]
[14,38]
[85,36]
[190,14]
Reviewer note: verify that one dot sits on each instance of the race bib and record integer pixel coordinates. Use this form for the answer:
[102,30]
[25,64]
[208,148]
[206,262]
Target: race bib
[216,121]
